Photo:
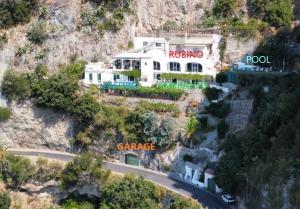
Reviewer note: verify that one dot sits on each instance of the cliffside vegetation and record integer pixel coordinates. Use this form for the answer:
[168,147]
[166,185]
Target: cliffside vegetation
[87,169]
[266,156]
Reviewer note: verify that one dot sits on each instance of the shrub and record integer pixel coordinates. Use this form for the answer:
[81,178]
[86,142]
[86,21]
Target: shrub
[210,21]
[130,45]
[4,114]
[212,93]
[219,109]
[5,200]
[3,40]
[37,33]
[169,25]
[15,87]
[166,167]
[222,129]
[188,158]
[224,8]
[72,204]
[14,12]
[152,92]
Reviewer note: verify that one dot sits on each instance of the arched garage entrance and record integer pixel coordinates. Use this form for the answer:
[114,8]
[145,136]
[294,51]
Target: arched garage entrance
[132,159]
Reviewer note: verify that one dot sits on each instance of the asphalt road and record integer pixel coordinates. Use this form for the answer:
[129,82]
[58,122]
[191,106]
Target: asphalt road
[203,196]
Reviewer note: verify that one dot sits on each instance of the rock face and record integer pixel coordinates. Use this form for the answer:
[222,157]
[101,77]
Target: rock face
[34,127]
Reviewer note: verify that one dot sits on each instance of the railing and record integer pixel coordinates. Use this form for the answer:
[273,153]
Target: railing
[183,85]
[118,85]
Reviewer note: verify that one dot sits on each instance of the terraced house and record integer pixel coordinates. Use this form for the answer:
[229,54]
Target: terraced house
[164,61]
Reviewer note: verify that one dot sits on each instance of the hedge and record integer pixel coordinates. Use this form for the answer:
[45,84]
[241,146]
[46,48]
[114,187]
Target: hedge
[170,76]
[4,114]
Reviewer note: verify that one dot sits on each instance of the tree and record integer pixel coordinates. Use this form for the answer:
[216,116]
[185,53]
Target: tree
[212,93]
[5,200]
[158,131]
[130,192]
[86,168]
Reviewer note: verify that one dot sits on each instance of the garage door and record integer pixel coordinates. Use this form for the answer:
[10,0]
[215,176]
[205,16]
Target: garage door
[132,159]
[211,185]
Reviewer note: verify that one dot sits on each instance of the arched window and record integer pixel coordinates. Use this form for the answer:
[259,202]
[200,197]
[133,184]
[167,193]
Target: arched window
[194,67]
[173,66]
[156,65]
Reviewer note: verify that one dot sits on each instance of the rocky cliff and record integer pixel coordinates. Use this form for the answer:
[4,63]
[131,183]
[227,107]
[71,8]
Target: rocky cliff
[33,127]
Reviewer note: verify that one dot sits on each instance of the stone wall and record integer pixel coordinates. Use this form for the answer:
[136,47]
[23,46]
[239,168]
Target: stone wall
[33,127]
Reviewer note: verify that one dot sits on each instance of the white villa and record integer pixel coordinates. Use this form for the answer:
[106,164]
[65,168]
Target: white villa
[154,56]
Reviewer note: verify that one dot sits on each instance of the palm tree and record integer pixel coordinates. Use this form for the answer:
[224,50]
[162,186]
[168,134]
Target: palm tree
[190,127]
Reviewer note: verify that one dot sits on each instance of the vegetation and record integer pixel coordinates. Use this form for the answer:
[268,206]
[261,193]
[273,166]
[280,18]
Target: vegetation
[222,129]
[159,107]
[220,109]
[89,167]
[212,93]
[4,114]
[209,21]
[169,25]
[153,92]
[14,12]
[3,40]
[191,127]
[71,204]
[276,13]
[271,142]
[37,33]
[224,8]
[5,200]
[14,86]
[196,77]
[159,131]
[132,73]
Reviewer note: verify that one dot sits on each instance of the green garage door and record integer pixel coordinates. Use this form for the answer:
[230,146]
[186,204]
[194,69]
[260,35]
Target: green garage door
[132,159]
[211,185]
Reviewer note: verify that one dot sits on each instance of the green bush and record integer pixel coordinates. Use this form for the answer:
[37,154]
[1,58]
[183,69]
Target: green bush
[19,170]
[212,93]
[153,92]
[222,129]
[15,87]
[224,8]
[166,167]
[72,204]
[276,13]
[4,114]
[14,12]
[5,200]
[130,192]
[210,21]
[219,109]
[37,33]
[169,25]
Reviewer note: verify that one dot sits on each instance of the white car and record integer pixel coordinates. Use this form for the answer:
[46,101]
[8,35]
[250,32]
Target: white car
[228,198]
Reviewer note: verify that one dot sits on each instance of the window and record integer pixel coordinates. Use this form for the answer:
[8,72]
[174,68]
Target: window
[158,44]
[118,64]
[145,43]
[156,65]
[99,77]
[156,76]
[116,77]
[193,67]
[91,77]
[174,66]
